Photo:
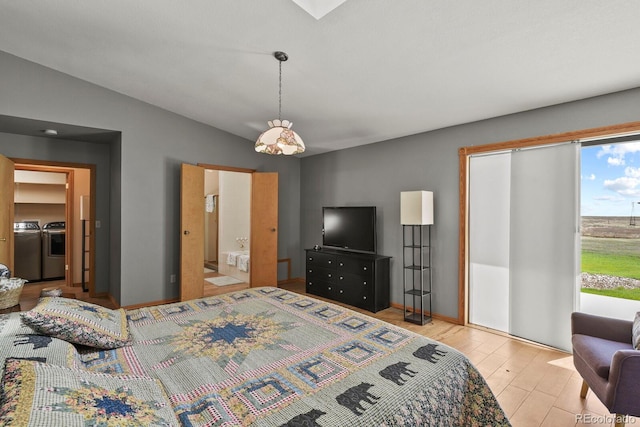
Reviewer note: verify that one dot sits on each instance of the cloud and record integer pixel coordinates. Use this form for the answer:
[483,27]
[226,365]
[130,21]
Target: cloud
[615,161]
[591,177]
[632,172]
[616,152]
[625,186]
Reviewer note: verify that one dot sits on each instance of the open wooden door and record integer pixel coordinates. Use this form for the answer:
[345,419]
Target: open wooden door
[6,212]
[264,229]
[191,232]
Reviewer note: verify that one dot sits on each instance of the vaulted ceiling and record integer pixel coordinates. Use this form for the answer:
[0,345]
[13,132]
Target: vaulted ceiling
[366,71]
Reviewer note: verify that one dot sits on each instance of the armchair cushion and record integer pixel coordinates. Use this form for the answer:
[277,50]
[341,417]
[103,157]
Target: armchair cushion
[597,352]
[636,331]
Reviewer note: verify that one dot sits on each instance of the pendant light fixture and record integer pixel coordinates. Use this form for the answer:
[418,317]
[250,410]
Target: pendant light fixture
[279,138]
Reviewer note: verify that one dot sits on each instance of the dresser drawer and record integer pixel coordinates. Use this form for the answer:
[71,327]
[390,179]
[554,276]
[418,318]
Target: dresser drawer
[356,296]
[320,259]
[324,274]
[319,287]
[355,265]
[362,282]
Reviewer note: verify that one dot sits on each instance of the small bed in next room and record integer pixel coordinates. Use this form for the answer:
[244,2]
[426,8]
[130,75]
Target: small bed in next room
[264,357]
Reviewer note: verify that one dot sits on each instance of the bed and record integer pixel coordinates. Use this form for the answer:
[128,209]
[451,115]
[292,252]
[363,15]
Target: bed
[263,357]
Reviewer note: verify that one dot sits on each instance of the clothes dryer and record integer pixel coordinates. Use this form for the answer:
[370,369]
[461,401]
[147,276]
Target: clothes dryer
[53,250]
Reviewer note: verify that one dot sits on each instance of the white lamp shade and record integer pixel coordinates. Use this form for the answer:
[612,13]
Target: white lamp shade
[416,207]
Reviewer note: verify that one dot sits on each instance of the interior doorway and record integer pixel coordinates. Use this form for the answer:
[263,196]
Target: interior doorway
[227,228]
[58,196]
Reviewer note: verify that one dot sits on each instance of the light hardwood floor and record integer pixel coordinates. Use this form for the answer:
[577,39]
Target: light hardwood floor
[535,385]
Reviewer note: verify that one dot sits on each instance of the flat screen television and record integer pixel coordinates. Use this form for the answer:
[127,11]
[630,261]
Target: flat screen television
[351,228]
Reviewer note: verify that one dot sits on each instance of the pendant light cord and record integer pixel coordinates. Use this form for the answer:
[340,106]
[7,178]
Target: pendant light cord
[280,92]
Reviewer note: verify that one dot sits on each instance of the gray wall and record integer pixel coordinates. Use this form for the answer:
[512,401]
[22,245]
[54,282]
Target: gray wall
[145,183]
[376,174]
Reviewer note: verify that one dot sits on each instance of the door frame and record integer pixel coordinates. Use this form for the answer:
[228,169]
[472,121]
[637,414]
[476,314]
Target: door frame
[68,168]
[464,154]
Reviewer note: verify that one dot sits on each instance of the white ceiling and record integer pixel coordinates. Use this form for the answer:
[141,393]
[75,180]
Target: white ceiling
[367,71]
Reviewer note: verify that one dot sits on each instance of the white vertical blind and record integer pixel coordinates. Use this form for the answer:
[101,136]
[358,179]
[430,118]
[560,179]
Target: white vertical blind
[489,199]
[543,251]
[523,242]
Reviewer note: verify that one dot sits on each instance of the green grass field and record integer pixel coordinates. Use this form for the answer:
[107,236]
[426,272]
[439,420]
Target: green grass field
[613,257]
[612,265]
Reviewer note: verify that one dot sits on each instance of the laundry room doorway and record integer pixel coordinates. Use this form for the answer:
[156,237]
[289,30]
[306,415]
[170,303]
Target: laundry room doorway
[58,197]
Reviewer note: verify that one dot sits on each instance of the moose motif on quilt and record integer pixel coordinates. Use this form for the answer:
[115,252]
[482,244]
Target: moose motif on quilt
[353,397]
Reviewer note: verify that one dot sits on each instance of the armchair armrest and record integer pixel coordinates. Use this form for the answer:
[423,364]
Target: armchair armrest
[623,386]
[601,327]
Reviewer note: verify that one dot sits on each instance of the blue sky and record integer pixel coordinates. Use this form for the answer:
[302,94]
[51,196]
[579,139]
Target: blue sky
[610,179]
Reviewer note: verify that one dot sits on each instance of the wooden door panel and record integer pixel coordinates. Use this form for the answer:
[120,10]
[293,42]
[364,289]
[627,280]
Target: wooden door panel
[264,229]
[191,232]
[6,212]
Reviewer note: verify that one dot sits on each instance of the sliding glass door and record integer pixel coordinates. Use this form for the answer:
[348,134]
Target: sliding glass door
[524,242]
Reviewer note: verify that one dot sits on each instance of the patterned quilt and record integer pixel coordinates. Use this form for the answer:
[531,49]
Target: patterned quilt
[269,357]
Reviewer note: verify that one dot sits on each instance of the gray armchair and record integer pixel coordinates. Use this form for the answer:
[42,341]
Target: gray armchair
[604,356]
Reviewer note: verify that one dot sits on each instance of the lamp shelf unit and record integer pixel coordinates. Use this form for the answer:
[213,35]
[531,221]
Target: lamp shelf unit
[417,274]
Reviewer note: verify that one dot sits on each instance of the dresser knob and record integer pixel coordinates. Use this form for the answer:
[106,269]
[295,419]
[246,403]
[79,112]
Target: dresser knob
[310,283]
[310,258]
[341,264]
[341,278]
[310,271]
[329,261]
[329,288]
[329,274]
[364,297]
[365,268]
[364,283]
[341,290]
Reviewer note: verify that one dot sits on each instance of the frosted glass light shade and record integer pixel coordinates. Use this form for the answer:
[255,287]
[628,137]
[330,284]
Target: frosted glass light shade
[280,139]
[416,207]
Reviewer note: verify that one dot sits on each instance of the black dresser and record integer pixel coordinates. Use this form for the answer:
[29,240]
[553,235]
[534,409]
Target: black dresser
[357,279]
